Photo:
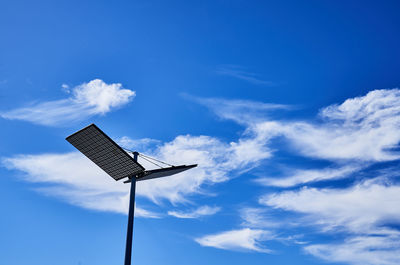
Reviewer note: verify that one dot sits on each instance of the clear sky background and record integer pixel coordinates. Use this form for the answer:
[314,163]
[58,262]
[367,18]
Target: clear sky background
[290,108]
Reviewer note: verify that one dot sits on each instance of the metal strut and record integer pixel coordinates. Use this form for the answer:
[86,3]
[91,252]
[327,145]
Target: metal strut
[149,158]
[152,158]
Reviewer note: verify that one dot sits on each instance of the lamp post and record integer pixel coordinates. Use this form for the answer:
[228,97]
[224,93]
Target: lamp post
[116,162]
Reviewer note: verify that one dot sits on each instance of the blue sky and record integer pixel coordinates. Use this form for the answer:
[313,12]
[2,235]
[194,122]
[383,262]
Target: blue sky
[291,109]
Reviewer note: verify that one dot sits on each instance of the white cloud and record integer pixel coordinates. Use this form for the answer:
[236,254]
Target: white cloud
[377,105]
[245,112]
[75,179]
[311,175]
[359,132]
[88,99]
[243,239]
[360,250]
[258,218]
[363,213]
[258,226]
[196,213]
[218,162]
[352,135]
[331,139]
[82,183]
[363,128]
[239,73]
[359,209]
[65,88]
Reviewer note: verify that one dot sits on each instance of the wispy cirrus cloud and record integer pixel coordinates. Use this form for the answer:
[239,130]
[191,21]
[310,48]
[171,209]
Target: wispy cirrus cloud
[352,136]
[362,208]
[218,162]
[93,98]
[302,176]
[238,72]
[258,218]
[245,239]
[196,213]
[77,180]
[245,112]
[360,132]
[360,250]
[218,159]
[363,128]
[364,214]
[258,227]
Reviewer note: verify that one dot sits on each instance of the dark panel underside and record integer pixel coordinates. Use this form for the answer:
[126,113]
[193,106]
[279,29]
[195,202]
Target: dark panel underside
[105,153]
[163,172]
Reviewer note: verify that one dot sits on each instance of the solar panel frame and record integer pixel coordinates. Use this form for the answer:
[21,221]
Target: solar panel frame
[105,153]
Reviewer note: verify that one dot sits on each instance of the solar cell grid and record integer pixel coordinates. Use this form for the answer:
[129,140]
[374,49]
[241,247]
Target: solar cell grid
[105,153]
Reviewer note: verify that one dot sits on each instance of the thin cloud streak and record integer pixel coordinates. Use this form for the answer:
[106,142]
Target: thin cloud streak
[258,218]
[244,112]
[237,72]
[299,177]
[245,239]
[196,213]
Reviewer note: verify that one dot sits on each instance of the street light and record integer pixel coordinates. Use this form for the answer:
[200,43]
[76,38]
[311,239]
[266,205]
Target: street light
[116,162]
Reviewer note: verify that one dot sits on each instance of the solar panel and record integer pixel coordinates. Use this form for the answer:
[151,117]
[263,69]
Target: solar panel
[105,153]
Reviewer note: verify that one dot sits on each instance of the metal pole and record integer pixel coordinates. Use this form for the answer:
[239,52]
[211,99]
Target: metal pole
[129,234]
